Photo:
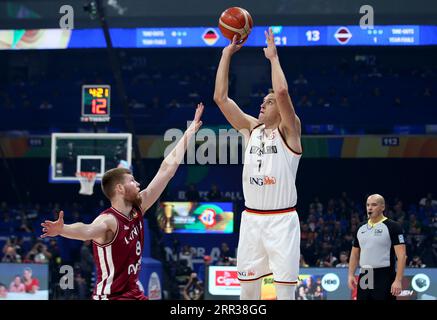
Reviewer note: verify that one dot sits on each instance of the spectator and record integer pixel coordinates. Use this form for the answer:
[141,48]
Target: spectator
[192,194]
[31,284]
[25,225]
[329,260]
[3,291]
[319,294]
[304,102]
[427,92]
[375,73]
[17,285]
[86,263]
[207,261]
[397,102]
[321,102]
[306,289]
[214,194]
[376,92]
[11,255]
[344,257]
[45,105]
[225,258]
[80,284]
[429,197]
[173,104]
[14,242]
[193,289]
[156,103]
[300,80]
[3,208]
[38,253]
[416,263]
[303,263]
[137,105]
[399,212]
[344,102]
[187,255]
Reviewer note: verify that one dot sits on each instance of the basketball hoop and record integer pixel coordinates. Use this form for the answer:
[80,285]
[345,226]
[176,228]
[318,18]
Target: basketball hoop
[87,180]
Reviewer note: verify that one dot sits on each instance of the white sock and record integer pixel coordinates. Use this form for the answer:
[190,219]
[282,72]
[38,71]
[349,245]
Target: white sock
[250,290]
[285,292]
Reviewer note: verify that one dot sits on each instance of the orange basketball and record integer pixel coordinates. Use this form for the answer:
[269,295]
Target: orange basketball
[237,21]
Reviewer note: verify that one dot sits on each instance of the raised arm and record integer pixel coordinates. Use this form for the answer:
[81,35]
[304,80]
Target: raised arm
[96,231]
[236,117]
[290,123]
[170,164]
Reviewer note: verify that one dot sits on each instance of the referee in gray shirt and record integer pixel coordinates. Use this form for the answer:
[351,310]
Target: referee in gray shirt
[377,243]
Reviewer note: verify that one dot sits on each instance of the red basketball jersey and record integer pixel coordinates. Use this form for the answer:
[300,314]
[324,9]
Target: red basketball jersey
[118,262]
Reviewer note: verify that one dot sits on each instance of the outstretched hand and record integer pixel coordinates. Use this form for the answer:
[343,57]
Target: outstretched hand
[197,123]
[53,228]
[235,45]
[270,52]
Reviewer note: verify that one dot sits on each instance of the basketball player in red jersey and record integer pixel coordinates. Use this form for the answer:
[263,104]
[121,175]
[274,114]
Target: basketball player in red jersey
[117,233]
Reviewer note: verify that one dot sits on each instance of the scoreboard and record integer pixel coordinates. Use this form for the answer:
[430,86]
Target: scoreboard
[96,103]
[210,36]
[289,36]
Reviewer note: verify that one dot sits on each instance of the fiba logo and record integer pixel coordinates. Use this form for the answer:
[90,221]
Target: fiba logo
[330,282]
[420,282]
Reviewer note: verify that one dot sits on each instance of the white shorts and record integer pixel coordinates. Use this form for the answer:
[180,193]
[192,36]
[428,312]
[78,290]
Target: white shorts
[269,244]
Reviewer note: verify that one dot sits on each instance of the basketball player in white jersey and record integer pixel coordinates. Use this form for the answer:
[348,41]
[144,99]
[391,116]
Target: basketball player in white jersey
[270,233]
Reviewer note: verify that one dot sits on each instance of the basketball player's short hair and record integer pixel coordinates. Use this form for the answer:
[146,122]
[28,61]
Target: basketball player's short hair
[111,178]
[271,90]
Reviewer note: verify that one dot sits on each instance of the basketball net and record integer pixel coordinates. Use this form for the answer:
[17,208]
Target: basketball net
[87,180]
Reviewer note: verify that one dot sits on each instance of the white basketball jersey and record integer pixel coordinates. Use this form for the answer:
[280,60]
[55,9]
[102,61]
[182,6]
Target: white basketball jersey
[269,172]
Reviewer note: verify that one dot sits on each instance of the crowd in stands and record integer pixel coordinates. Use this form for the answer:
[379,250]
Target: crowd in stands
[331,90]
[327,230]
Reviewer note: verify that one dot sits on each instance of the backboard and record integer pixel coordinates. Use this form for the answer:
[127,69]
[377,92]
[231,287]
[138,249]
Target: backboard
[90,152]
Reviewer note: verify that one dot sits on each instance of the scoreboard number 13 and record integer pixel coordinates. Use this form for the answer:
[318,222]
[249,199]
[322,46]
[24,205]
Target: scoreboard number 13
[313,35]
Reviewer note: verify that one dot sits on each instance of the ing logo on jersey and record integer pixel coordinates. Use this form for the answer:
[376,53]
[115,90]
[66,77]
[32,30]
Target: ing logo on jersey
[207,217]
[262,181]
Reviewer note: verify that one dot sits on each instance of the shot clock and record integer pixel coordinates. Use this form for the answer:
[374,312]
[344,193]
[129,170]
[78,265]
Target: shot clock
[96,103]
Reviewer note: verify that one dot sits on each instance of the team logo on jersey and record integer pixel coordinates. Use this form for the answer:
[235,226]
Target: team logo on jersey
[272,135]
[133,234]
[262,181]
[265,150]
[257,150]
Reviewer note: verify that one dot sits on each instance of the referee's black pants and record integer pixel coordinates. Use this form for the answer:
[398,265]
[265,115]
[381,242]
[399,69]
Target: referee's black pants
[383,279]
